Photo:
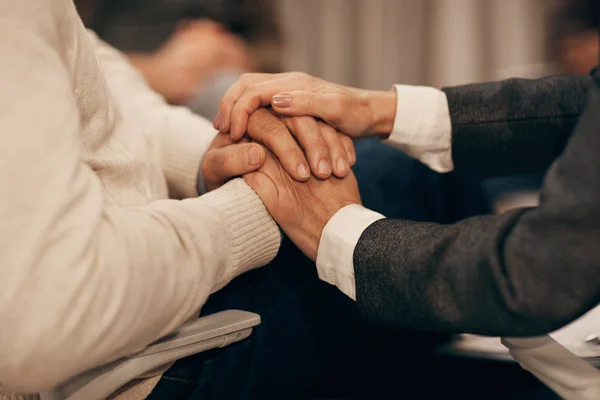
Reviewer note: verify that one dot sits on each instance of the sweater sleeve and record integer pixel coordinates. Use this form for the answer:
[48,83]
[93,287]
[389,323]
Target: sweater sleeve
[179,136]
[83,282]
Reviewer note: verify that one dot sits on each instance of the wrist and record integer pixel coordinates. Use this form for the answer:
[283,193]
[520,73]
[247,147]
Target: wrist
[382,109]
[307,235]
[329,212]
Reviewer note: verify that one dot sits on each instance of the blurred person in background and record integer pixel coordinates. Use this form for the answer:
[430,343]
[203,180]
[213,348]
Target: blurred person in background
[574,35]
[190,51]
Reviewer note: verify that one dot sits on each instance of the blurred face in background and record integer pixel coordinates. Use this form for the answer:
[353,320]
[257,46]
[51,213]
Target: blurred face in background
[574,34]
[578,52]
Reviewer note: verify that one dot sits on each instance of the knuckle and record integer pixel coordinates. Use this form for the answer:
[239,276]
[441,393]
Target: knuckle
[247,77]
[301,75]
[266,129]
[311,102]
[209,163]
[219,163]
[227,104]
[273,131]
[253,87]
[319,142]
[251,102]
[337,107]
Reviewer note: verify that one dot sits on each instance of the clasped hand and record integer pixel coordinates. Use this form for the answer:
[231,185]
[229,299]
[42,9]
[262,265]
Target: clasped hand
[303,209]
[276,157]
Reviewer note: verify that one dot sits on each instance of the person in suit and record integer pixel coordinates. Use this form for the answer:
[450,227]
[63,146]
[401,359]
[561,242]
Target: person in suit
[526,272]
[489,129]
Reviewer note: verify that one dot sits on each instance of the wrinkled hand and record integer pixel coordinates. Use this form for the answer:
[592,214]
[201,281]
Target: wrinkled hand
[190,55]
[355,112]
[225,160]
[302,209]
[293,140]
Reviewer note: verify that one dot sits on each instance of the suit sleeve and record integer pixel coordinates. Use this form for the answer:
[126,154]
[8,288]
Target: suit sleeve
[522,273]
[513,126]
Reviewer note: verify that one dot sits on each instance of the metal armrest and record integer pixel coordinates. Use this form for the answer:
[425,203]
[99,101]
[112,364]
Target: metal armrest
[213,331]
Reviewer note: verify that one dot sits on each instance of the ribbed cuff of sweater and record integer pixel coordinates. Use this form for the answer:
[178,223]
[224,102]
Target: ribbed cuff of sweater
[182,153]
[6,394]
[252,235]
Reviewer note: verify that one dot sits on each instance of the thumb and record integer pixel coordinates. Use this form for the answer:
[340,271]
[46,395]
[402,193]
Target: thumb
[327,106]
[264,182]
[235,160]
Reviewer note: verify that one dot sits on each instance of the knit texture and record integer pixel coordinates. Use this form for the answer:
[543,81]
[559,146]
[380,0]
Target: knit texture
[100,257]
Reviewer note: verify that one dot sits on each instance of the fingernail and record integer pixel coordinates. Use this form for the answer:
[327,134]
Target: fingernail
[352,157]
[341,164]
[217,120]
[324,167]
[282,100]
[253,156]
[303,170]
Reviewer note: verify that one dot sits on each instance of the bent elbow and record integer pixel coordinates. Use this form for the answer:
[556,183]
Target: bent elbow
[543,317]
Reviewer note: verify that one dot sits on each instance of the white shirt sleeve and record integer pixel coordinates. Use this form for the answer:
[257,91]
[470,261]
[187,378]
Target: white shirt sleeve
[335,257]
[422,128]
[571,377]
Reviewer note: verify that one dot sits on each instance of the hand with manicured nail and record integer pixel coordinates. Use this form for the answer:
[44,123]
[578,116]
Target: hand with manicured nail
[354,112]
[302,145]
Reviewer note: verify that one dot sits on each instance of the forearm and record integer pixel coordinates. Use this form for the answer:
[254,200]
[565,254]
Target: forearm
[477,277]
[522,273]
[481,130]
[122,278]
[514,126]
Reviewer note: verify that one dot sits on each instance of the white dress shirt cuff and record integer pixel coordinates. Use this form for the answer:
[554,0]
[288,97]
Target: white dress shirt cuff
[422,128]
[570,376]
[335,256]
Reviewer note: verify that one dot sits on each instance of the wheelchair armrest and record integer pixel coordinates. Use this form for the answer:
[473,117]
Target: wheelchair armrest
[212,331]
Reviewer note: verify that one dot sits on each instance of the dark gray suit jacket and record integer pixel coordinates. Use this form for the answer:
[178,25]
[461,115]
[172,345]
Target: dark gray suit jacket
[525,272]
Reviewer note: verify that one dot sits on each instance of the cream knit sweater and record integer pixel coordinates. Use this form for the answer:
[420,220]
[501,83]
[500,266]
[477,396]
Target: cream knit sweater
[96,261]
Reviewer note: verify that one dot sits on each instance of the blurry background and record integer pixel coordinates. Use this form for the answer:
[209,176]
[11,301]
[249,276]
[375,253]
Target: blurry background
[375,43]
[364,43]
